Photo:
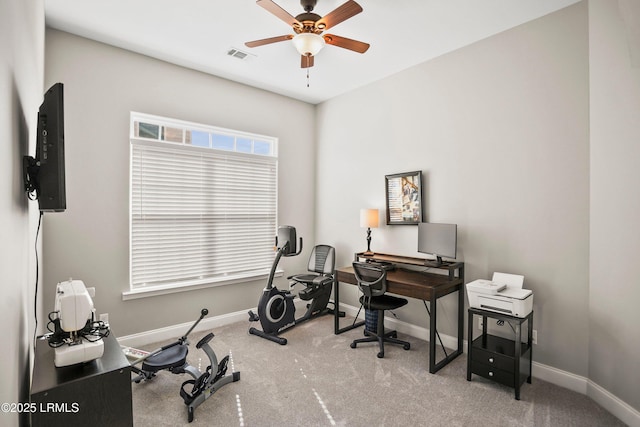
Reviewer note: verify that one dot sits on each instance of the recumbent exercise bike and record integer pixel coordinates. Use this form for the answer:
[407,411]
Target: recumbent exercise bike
[173,358]
[276,310]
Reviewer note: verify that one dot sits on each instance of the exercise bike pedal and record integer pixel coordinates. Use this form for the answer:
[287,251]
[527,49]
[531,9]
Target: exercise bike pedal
[253,317]
[222,368]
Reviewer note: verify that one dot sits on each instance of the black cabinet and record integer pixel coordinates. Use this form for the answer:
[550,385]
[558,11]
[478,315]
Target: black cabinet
[499,359]
[96,393]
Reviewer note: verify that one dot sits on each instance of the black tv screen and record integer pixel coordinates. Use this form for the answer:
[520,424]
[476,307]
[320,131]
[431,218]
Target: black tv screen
[50,178]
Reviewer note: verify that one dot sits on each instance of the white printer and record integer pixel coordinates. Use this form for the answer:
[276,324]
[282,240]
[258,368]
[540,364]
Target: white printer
[502,294]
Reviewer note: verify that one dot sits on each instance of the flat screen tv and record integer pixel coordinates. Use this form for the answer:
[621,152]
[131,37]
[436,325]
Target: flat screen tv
[45,174]
[439,240]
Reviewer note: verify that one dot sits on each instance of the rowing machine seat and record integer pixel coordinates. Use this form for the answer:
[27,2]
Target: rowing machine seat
[171,358]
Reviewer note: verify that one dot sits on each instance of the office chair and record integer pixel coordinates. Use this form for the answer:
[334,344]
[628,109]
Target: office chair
[372,281]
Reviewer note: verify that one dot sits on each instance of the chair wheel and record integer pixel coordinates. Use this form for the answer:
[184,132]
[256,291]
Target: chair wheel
[406,346]
[353,345]
[380,355]
[394,335]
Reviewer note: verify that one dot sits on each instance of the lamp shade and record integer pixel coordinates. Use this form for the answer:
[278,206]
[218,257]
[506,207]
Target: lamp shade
[369,218]
[308,44]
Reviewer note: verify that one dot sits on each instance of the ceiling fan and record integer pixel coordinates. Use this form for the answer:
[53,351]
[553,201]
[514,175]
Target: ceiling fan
[309,26]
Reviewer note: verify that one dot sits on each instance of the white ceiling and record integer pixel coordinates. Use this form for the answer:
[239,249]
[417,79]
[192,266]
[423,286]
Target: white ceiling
[198,34]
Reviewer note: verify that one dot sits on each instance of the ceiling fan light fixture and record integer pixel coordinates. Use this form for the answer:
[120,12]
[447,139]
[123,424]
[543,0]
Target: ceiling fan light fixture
[308,44]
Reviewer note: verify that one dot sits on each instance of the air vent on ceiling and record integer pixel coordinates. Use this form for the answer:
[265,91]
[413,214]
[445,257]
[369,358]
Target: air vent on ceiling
[239,54]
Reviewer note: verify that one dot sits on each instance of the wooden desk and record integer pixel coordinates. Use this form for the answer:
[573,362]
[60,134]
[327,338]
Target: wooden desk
[414,284]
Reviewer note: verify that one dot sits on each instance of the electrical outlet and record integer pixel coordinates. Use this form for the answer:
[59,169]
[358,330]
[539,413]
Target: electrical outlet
[104,317]
[534,336]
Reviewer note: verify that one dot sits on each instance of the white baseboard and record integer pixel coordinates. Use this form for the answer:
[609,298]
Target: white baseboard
[176,331]
[561,378]
[611,403]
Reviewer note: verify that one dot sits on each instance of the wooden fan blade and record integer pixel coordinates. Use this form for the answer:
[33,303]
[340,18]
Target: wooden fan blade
[262,42]
[346,43]
[341,13]
[306,61]
[279,12]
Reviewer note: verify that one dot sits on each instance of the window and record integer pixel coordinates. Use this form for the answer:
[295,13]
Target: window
[203,204]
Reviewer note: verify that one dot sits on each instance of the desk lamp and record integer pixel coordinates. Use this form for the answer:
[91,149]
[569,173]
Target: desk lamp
[369,219]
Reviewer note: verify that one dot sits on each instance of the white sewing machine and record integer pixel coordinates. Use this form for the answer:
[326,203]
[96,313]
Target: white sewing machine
[74,308]
[502,294]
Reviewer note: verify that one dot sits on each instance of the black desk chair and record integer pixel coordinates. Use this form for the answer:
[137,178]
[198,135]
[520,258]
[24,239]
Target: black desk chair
[372,281]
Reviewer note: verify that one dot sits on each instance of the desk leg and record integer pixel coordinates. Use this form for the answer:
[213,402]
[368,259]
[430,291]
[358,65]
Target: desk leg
[517,354]
[460,317]
[469,344]
[432,334]
[336,315]
[530,341]
[460,308]
[336,303]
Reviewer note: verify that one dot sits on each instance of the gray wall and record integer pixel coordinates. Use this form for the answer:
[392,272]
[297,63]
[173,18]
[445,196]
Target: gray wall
[90,241]
[615,203]
[21,73]
[500,130]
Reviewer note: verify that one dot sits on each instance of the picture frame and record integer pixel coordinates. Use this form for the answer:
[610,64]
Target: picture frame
[404,198]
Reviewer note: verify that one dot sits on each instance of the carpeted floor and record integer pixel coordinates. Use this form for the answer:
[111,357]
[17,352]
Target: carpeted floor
[318,380]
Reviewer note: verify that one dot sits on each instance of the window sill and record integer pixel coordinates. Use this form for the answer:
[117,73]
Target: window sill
[153,291]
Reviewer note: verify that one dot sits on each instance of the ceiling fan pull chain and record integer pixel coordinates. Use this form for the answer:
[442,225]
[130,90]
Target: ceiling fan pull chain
[308,57]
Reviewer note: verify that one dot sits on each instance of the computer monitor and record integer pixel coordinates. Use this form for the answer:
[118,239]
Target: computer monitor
[439,240]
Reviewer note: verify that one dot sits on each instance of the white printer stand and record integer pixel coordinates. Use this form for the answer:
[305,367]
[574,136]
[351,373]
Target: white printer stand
[502,360]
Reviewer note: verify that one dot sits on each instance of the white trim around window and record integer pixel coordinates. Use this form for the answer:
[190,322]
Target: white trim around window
[203,206]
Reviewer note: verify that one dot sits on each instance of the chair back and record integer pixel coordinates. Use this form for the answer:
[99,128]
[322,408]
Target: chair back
[372,279]
[322,259]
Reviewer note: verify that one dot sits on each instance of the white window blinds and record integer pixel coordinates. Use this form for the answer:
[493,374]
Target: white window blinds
[199,215]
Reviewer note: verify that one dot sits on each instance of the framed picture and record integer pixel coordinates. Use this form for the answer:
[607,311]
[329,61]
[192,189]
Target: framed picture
[404,198]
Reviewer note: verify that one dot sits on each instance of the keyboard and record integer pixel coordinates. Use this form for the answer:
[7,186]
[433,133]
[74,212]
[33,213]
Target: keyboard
[388,266]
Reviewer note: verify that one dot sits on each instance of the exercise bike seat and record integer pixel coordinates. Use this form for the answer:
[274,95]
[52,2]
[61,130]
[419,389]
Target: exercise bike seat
[320,268]
[172,357]
[314,285]
[312,279]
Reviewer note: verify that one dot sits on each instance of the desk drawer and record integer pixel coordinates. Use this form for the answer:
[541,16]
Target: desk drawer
[492,359]
[493,374]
